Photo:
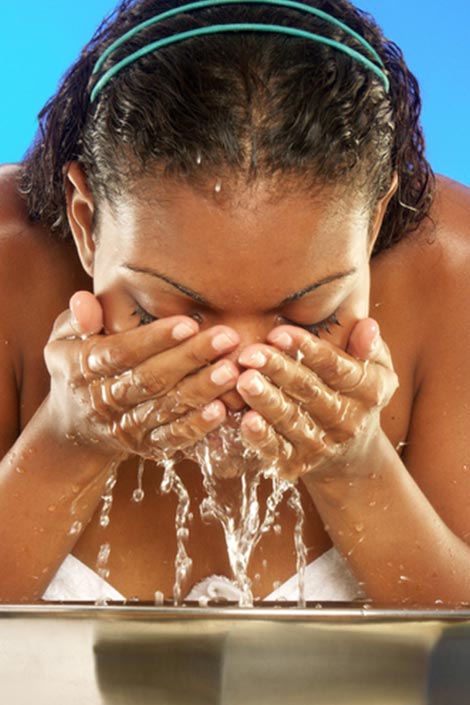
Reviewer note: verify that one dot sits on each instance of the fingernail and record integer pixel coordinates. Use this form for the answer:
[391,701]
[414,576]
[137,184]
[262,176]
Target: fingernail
[211,411]
[255,386]
[254,359]
[223,341]
[222,375]
[282,340]
[255,423]
[376,339]
[183,331]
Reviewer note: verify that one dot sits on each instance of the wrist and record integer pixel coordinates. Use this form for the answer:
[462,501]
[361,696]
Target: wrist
[352,468]
[56,432]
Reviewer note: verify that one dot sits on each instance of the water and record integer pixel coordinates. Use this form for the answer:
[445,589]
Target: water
[232,475]
[172,483]
[107,498]
[139,494]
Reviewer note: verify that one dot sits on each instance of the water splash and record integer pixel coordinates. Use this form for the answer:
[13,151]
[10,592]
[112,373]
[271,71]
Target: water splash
[139,494]
[107,498]
[232,475]
[171,482]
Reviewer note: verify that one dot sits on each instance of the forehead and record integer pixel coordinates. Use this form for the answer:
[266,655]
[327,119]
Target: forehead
[207,237]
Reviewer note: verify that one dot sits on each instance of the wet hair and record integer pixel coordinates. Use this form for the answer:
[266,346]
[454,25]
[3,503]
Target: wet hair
[249,106]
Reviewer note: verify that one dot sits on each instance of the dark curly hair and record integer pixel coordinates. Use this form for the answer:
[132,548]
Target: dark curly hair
[250,105]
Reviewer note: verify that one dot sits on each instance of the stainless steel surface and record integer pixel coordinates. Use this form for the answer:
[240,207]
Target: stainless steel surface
[136,654]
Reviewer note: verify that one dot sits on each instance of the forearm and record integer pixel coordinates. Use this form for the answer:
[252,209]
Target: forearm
[394,541]
[47,484]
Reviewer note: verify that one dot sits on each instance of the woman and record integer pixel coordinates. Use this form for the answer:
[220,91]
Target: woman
[252,212]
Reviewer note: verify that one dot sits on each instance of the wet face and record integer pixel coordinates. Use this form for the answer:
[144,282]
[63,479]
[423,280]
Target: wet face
[251,259]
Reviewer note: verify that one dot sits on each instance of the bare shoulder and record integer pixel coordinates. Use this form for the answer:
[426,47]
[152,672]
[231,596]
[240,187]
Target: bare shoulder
[36,268]
[424,278]
[38,274]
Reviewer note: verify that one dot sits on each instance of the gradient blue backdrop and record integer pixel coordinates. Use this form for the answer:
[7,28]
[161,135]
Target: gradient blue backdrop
[39,39]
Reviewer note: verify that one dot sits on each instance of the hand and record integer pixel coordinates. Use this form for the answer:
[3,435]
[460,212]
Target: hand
[151,390]
[321,412]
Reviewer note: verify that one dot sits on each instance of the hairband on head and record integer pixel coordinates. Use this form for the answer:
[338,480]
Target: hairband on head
[377,68]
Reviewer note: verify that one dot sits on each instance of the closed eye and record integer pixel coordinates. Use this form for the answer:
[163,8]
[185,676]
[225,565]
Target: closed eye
[315,328]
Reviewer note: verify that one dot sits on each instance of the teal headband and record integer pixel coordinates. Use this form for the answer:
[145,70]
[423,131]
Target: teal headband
[379,70]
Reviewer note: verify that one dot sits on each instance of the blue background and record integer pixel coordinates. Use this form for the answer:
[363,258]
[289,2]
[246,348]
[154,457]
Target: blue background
[39,39]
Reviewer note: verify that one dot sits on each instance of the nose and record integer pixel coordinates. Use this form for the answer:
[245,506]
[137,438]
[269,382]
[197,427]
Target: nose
[249,332]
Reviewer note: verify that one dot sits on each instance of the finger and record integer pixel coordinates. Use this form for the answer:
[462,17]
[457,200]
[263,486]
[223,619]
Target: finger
[326,405]
[259,435]
[101,356]
[192,392]
[372,383]
[280,411]
[158,375]
[113,354]
[86,313]
[366,343]
[187,431]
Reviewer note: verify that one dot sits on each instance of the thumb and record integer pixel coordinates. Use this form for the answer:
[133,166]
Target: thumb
[86,313]
[366,343]
[363,339]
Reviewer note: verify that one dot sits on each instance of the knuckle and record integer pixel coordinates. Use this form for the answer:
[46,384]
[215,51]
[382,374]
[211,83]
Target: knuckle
[307,388]
[105,358]
[197,357]
[285,414]
[150,381]
[277,364]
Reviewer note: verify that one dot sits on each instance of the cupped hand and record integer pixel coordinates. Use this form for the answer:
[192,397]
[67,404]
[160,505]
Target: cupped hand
[313,406]
[151,390]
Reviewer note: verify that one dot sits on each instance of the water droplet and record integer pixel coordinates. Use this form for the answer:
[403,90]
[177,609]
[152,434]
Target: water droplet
[20,470]
[373,503]
[277,528]
[51,508]
[104,521]
[75,528]
[198,158]
[138,495]
[159,598]
[218,186]
[359,528]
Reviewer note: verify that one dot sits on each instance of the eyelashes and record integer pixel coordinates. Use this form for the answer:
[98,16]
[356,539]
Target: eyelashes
[324,325]
[145,318]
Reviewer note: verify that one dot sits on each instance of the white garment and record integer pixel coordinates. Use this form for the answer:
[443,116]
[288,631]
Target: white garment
[327,578]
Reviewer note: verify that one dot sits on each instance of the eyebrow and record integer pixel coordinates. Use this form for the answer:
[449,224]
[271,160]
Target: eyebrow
[200,299]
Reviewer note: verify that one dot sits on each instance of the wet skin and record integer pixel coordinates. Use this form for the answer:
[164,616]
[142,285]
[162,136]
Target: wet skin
[239,266]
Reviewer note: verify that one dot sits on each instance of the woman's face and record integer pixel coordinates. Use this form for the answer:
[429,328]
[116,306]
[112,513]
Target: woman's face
[250,258]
